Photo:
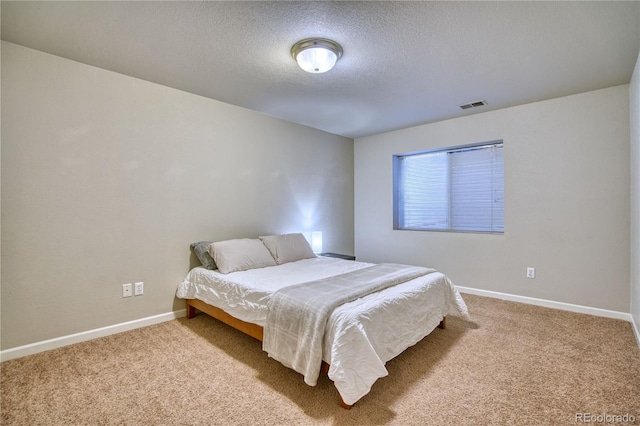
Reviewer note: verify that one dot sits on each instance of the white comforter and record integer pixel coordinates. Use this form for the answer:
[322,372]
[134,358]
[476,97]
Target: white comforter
[360,336]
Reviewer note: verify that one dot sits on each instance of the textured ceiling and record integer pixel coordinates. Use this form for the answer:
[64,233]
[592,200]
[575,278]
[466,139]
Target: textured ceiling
[404,63]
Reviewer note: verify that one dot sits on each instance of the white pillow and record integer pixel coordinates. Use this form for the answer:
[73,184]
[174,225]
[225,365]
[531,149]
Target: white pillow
[240,255]
[288,247]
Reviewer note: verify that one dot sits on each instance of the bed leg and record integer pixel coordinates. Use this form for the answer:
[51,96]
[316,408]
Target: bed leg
[324,368]
[342,403]
[443,323]
[191,311]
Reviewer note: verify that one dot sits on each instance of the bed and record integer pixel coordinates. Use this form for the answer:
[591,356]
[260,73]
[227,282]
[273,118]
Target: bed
[357,337]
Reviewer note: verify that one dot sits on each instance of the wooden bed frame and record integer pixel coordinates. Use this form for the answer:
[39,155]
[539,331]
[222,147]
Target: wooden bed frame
[251,329]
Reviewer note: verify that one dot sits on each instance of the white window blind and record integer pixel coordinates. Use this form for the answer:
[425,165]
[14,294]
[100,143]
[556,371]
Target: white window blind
[457,189]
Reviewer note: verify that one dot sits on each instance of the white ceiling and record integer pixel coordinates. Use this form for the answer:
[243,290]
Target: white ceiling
[404,63]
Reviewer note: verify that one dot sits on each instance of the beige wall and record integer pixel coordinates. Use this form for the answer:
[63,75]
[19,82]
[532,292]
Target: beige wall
[634,102]
[566,201]
[107,179]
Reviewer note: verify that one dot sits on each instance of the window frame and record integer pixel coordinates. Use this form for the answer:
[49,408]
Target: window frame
[398,206]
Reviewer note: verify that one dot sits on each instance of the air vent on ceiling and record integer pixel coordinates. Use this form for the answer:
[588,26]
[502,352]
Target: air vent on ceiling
[473,104]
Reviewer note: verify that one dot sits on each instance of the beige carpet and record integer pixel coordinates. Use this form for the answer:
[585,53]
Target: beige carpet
[511,364]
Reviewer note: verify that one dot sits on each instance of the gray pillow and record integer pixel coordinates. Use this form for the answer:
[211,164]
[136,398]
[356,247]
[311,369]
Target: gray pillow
[240,255]
[200,250]
[288,247]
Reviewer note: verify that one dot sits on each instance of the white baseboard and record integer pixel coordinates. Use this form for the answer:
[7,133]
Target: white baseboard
[636,331]
[59,342]
[549,304]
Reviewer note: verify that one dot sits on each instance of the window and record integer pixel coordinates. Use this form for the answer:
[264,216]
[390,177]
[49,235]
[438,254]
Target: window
[455,189]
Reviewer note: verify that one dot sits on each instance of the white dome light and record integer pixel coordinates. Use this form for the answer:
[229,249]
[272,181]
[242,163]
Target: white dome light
[316,55]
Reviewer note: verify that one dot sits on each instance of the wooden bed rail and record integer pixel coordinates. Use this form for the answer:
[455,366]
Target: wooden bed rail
[253,330]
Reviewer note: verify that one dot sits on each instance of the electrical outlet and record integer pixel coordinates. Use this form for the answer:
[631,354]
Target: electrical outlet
[531,272]
[126,290]
[138,289]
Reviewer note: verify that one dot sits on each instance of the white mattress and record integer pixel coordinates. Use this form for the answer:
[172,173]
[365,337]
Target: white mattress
[361,336]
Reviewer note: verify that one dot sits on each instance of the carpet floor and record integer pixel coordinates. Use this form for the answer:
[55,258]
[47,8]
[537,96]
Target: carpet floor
[510,364]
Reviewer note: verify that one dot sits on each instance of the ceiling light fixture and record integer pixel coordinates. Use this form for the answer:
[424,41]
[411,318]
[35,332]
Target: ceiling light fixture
[316,55]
